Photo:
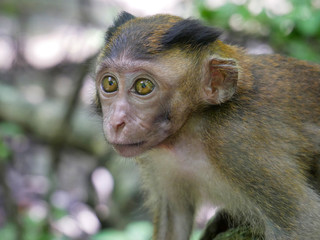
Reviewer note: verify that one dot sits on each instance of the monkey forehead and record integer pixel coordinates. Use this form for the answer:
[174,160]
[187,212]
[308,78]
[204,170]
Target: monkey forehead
[140,36]
[147,37]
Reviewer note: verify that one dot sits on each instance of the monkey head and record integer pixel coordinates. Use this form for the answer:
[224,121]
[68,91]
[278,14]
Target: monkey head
[152,74]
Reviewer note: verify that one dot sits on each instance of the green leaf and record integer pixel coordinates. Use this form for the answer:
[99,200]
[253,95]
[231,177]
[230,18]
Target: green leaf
[309,26]
[10,129]
[196,235]
[139,230]
[8,232]
[5,151]
[299,49]
[58,213]
[110,235]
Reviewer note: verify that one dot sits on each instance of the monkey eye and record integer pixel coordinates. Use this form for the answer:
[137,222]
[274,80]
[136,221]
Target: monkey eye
[143,86]
[109,84]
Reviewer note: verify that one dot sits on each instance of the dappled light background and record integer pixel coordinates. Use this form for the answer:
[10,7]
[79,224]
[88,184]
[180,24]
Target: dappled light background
[58,177]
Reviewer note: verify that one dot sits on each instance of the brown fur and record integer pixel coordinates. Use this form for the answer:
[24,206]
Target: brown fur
[255,152]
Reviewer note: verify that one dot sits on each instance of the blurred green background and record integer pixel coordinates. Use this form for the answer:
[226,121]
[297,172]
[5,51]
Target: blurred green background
[58,178]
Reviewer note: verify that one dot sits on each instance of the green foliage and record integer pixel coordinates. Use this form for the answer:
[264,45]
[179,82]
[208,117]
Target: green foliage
[134,231]
[7,130]
[141,230]
[239,233]
[295,33]
[8,232]
[4,151]
[196,235]
[9,8]
[33,230]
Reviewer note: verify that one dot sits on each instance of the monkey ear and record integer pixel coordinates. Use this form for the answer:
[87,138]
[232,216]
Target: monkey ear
[222,81]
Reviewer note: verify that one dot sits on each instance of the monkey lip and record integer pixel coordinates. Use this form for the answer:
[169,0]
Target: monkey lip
[137,144]
[128,149]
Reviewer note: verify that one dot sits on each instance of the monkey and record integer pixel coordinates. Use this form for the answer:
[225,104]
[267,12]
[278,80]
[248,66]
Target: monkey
[207,122]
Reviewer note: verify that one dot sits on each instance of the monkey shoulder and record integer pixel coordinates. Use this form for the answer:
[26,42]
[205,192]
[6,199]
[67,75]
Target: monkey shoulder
[281,83]
[282,65]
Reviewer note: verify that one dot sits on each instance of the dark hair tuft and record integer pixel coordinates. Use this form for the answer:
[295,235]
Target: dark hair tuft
[121,19]
[190,32]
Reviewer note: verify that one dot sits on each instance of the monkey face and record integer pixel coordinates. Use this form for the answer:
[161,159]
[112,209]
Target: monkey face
[141,103]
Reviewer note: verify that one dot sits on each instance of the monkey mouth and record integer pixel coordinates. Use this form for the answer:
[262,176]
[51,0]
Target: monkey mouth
[137,144]
[129,149]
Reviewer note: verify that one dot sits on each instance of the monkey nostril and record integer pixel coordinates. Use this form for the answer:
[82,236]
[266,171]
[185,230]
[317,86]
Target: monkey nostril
[119,126]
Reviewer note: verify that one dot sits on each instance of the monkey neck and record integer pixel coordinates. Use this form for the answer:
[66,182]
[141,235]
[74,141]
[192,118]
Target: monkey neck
[187,135]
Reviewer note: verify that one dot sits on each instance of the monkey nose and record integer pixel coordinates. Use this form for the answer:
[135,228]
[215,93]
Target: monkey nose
[118,119]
